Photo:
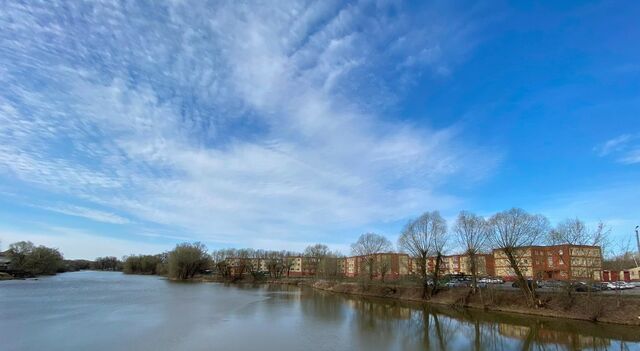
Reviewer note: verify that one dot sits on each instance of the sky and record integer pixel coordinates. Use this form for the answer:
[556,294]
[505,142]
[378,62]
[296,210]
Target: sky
[128,127]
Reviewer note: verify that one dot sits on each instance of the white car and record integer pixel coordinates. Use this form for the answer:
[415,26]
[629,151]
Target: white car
[608,286]
[621,285]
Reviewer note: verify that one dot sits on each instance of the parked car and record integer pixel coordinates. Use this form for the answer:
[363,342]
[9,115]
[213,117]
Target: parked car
[455,283]
[530,283]
[607,286]
[584,287]
[552,284]
[620,285]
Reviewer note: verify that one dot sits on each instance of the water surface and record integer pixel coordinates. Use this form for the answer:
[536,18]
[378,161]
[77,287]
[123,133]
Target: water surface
[112,311]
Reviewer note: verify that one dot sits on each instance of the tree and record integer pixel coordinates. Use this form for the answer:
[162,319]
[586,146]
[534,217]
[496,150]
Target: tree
[187,260]
[317,250]
[43,260]
[472,234]
[323,261]
[367,246]
[36,260]
[574,231]
[422,238]
[384,266]
[141,264]
[108,263]
[512,230]
[19,252]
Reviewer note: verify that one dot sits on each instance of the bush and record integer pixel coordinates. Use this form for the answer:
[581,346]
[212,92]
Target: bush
[36,260]
[141,264]
[108,263]
[187,260]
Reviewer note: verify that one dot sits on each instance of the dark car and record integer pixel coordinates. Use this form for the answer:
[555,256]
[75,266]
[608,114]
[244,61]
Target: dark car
[530,283]
[584,287]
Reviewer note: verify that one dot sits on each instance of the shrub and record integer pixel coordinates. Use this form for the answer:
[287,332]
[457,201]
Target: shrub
[36,260]
[141,264]
[187,260]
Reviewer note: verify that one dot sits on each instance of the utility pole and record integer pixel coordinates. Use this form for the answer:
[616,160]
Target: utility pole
[638,240]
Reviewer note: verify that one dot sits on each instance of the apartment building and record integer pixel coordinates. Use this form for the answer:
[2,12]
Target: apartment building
[461,264]
[558,262]
[301,266]
[390,265]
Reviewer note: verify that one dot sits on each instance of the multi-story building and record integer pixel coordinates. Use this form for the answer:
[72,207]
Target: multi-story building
[558,262]
[390,265]
[301,266]
[461,264]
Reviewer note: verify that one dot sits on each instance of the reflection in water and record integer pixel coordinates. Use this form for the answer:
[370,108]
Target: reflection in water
[111,311]
[447,328]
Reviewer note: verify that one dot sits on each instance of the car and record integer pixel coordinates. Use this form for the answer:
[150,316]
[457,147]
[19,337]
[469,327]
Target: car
[530,283]
[485,280]
[624,285]
[607,286]
[455,283]
[620,285]
[552,284]
[584,287]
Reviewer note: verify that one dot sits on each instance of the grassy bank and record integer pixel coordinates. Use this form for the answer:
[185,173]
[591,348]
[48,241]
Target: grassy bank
[596,308]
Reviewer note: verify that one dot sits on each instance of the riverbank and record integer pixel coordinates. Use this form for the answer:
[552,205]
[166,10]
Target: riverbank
[613,309]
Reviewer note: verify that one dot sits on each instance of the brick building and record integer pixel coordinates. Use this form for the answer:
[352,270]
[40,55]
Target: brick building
[301,266]
[558,262]
[391,265]
[461,264]
[627,275]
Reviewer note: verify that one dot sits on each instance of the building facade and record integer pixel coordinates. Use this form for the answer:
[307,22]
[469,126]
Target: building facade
[558,262]
[461,265]
[384,265]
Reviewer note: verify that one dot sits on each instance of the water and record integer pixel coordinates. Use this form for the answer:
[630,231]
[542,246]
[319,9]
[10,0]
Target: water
[112,311]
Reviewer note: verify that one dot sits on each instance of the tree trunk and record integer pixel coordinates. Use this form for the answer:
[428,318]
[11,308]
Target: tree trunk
[474,271]
[436,274]
[423,273]
[522,281]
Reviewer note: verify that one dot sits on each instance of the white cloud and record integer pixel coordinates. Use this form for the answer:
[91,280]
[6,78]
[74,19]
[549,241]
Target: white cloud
[96,215]
[239,123]
[624,148]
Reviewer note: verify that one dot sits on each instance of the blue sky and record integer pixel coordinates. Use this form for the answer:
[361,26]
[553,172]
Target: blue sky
[126,128]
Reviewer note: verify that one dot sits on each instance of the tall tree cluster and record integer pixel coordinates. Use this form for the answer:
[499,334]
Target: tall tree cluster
[35,260]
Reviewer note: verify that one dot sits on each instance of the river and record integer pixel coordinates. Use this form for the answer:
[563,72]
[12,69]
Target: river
[113,311]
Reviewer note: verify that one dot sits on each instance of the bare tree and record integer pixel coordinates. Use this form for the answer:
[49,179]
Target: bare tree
[368,245]
[575,232]
[472,233]
[384,266]
[316,255]
[424,237]
[317,250]
[512,230]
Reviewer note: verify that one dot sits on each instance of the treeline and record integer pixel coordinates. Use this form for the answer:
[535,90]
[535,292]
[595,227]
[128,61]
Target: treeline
[232,263]
[28,259]
[182,263]
[145,264]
